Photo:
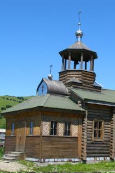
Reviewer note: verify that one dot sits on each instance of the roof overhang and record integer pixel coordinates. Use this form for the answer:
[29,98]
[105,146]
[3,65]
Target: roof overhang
[76,54]
[90,101]
[42,108]
[99,103]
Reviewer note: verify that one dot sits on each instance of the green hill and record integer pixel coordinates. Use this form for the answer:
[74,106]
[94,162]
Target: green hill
[7,102]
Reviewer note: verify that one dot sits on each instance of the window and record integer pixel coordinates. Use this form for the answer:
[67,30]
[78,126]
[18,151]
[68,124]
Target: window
[67,129]
[31,128]
[12,128]
[53,130]
[98,130]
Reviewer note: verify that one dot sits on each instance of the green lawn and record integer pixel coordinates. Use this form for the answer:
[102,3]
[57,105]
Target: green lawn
[105,167]
[68,167]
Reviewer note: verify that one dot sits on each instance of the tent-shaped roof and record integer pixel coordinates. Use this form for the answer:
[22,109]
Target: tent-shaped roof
[79,45]
[76,49]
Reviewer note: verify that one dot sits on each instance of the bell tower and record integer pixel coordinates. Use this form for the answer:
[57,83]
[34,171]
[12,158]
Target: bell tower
[78,64]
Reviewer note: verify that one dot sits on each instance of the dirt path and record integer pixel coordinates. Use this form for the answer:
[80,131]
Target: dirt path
[11,166]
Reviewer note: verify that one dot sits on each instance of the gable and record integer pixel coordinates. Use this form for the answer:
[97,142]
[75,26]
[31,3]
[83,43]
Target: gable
[48,86]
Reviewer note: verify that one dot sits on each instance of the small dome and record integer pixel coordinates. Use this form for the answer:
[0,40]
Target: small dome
[79,33]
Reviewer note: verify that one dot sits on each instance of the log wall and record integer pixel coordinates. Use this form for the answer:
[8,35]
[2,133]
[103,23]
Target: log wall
[112,147]
[99,148]
[83,76]
[86,77]
[10,144]
[84,138]
[40,144]
[33,146]
[51,147]
[59,147]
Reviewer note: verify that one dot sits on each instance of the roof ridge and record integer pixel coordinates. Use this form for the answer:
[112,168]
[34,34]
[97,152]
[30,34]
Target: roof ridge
[47,96]
[108,89]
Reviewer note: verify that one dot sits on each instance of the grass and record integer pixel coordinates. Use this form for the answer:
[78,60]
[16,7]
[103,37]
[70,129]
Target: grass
[6,102]
[68,167]
[102,167]
[1,152]
[2,123]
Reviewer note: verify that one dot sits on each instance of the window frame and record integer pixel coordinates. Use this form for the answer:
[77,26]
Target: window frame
[53,129]
[68,129]
[101,138]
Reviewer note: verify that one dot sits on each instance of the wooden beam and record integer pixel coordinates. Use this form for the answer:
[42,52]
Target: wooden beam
[79,138]
[69,61]
[41,136]
[75,65]
[81,65]
[92,64]
[85,65]
[63,64]
[112,153]
[84,137]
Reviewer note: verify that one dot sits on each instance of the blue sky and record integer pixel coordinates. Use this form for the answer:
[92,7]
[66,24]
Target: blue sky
[32,32]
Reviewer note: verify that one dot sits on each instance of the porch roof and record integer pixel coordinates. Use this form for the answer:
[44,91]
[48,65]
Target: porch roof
[47,101]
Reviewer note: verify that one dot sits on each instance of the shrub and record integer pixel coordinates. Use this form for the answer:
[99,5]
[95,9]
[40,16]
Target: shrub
[8,106]
[3,108]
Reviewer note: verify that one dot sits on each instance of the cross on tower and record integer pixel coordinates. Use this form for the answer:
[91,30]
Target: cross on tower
[51,69]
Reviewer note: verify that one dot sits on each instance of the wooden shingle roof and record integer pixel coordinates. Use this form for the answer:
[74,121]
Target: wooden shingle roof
[79,45]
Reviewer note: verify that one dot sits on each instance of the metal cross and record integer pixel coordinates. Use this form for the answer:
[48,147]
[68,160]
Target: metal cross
[79,16]
[51,68]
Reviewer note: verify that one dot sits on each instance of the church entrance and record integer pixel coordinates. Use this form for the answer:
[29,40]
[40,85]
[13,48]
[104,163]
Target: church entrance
[21,136]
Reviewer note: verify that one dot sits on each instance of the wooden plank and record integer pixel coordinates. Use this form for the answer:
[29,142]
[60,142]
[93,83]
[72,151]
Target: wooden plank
[112,153]
[10,143]
[59,147]
[32,146]
[20,136]
[79,138]
[99,148]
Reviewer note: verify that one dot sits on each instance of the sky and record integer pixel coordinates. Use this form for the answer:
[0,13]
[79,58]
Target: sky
[32,32]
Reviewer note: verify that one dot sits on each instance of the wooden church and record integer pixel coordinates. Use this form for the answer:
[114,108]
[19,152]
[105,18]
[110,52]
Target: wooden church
[70,119]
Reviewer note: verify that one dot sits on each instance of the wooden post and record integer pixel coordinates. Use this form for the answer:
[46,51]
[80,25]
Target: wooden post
[84,137]
[85,65]
[112,152]
[65,64]
[92,64]
[81,66]
[74,65]
[79,137]
[62,64]
[69,61]
[40,136]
